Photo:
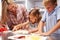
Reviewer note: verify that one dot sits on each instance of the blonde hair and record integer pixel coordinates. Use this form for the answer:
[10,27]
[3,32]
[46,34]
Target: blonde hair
[54,2]
[36,13]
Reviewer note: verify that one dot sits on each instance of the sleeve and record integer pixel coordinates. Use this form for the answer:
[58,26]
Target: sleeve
[25,16]
[13,19]
[44,17]
[58,14]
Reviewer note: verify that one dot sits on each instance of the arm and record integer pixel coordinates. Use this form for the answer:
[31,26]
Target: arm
[42,23]
[13,19]
[40,27]
[23,24]
[56,27]
[34,30]
[20,25]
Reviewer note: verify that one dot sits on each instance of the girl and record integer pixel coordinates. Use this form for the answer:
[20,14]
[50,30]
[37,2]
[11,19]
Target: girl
[34,18]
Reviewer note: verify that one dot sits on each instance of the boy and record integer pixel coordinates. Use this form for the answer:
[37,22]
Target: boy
[51,18]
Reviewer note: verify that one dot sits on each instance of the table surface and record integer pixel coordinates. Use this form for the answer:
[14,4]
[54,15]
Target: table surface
[6,36]
[42,37]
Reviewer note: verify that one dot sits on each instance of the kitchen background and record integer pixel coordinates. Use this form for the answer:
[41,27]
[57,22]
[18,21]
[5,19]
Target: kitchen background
[29,4]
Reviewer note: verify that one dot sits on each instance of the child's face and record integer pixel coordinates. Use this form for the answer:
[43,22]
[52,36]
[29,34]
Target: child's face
[32,19]
[50,7]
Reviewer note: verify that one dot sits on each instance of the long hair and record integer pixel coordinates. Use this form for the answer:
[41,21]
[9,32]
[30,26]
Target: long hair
[36,13]
[4,11]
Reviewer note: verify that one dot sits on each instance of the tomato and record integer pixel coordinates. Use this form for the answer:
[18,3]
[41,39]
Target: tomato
[3,29]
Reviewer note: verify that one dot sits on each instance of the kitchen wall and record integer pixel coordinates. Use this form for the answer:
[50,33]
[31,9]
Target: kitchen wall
[33,3]
[58,1]
[30,4]
[39,4]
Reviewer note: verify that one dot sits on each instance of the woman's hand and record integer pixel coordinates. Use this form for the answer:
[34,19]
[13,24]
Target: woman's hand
[16,28]
[21,26]
[29,31]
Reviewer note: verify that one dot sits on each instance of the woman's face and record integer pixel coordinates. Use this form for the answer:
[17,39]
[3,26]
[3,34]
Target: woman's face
[32,19]
[50,7]
[12,8]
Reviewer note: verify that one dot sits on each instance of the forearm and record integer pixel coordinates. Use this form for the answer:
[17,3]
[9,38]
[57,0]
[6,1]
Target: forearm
[23,24]
[56,27]
[34,30]
[40,27]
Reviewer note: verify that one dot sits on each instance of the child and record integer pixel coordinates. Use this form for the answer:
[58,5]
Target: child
[34,18]
[51,17]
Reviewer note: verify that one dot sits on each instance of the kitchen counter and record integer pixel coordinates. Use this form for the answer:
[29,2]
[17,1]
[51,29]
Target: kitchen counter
[36,38]
[8,35]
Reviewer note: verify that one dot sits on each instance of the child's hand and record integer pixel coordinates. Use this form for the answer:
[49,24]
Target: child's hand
[29,31]
[45,34]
